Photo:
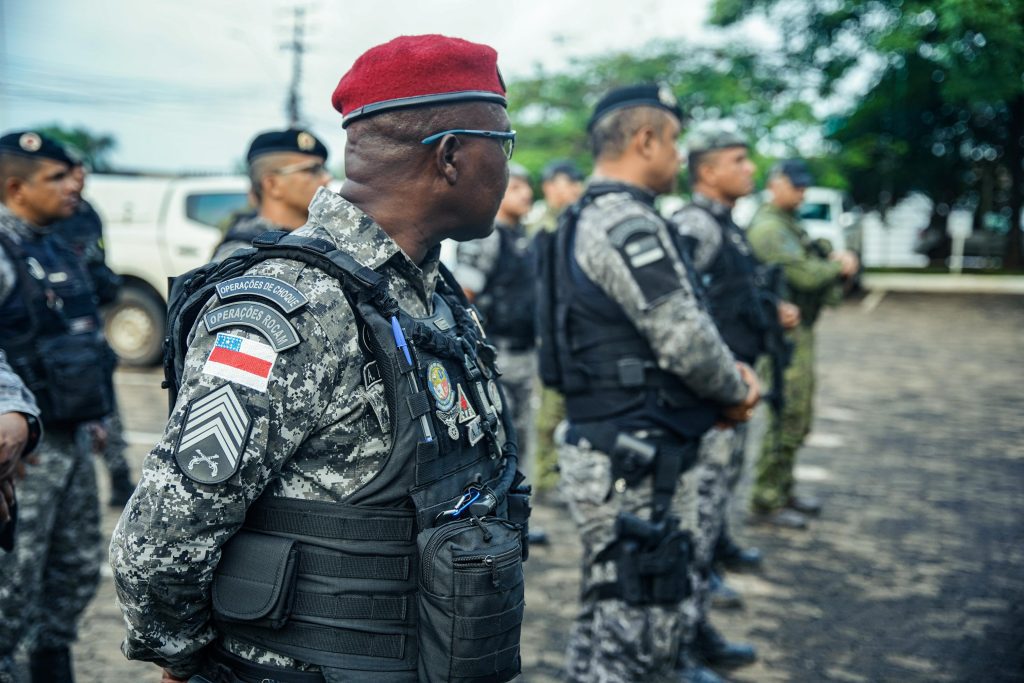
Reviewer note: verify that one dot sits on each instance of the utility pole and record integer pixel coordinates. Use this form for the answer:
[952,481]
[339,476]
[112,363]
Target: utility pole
[297,47]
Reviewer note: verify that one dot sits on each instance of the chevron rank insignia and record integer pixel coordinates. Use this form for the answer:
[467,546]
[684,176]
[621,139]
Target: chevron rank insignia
[213,436]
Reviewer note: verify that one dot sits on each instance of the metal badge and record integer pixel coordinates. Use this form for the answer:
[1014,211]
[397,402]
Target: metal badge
[466,412]
[440,386]
[213,436]
[305,141]
[30,142]
[285,296]
[259,317]
[450,420]
[494,394]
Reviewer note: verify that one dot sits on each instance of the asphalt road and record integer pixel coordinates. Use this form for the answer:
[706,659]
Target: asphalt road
[915,570]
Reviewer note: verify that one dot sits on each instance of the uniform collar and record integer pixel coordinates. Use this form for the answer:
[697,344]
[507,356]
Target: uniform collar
[599,185]
[715,207]
[359,235]
[18,227]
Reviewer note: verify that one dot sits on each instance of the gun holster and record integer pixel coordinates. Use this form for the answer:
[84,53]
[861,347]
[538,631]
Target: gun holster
[632,459]
[651,561]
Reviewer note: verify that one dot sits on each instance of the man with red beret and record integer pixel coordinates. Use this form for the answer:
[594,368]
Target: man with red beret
[335,497]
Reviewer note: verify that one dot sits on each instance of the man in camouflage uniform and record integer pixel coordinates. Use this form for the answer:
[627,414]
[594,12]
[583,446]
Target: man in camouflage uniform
[812,276]
[54,570]
[496,273]
[319,424]
[645,374]
[721,172]
[286,168]
[562,186]
[83,232]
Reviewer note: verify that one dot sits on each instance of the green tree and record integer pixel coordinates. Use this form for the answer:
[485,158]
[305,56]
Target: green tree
[944,108]
[550,110]
[94,148]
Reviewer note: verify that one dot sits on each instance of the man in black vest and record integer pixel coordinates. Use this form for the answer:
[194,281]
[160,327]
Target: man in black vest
[497,275]
[721,172]
[645,373]
[332,496]
[50,331]
[286,168]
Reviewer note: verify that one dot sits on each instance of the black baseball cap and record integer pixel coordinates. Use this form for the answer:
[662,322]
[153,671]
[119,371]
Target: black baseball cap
[796,170]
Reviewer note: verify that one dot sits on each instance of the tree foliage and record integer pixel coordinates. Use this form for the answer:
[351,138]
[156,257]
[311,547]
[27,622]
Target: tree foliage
[943,110]
[550,110]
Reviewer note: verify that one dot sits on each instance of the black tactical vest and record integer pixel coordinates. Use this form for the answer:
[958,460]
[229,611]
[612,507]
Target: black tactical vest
[51,332]
[507,300]
[418,575]
[733,296]
[592,353]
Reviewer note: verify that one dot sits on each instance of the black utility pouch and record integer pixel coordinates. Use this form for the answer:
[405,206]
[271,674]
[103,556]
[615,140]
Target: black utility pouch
[519,513]
[255,579]
[77,380]
[470,601]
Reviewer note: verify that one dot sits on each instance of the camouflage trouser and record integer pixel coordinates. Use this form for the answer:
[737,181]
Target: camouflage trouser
[773,473]
[611,641]
[703,518]
[552,411]
[518,375]
[53,572]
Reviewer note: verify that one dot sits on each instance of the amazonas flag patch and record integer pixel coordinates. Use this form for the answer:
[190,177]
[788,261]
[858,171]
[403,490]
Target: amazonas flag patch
[242,361]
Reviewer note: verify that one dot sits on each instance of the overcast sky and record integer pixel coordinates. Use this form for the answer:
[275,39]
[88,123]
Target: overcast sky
[185,84]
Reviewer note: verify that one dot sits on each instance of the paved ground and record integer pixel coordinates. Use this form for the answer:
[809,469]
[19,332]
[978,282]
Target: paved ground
[915,572]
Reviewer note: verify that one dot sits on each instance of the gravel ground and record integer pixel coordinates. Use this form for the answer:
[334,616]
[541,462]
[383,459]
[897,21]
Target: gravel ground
[915,570]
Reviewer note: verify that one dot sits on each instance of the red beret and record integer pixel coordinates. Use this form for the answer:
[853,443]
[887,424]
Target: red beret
[412,71]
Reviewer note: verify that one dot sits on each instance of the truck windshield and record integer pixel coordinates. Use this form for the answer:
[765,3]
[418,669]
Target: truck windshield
[215,208]
[815,212]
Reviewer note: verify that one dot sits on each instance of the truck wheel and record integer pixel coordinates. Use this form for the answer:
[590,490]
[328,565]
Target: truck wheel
[134,326]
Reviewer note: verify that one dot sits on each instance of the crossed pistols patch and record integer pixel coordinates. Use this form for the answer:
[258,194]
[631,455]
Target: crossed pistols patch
[213,436]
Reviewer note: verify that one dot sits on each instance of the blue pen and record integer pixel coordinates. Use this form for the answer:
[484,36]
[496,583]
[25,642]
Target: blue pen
[396,332]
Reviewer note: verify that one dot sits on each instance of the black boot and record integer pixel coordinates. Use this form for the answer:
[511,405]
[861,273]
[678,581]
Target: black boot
[734,557]
[712,647]
[51,666]
[121,489]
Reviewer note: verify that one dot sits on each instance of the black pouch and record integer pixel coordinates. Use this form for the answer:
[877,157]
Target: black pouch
[76,372]
[470,601]
[652,562]
[519,513]
[255,579]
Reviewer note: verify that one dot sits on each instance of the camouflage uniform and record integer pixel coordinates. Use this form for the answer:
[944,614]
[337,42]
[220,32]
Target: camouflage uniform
[476,260]
[14,397]
[83,232]
[317,433]
[611,640]
[54,570]
[240,234]
[811,280]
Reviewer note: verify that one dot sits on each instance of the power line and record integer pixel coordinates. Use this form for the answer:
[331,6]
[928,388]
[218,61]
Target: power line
[297,47]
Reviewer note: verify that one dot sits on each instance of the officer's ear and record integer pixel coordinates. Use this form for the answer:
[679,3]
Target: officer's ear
[448,157]
[270,185]
[11,187]
[644,141]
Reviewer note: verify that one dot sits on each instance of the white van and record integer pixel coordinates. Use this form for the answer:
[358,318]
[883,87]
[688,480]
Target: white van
[156,228]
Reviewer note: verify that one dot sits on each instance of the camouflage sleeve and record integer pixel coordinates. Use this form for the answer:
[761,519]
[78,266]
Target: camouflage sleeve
[14,396]
[475,261]
[168,541]
[702,232]
[773,243]
[8,275]
[629,254]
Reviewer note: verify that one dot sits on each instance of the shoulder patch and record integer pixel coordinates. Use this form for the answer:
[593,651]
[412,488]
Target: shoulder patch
[285,296]
[213,436]
[637,241]
[259,317]
[242,361]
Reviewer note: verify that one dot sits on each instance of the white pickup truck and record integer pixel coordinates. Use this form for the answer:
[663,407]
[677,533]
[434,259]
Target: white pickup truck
[156,228]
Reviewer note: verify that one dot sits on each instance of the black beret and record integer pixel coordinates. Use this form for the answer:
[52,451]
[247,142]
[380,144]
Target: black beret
[291,140]
[796,170]
[34,145]
[562,167]
[644,95]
